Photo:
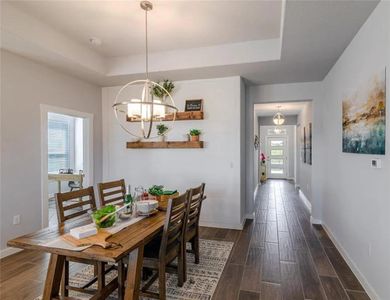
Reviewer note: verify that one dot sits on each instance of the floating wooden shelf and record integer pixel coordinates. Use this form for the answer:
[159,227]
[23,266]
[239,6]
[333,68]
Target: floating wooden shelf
[180,116]
[164,145]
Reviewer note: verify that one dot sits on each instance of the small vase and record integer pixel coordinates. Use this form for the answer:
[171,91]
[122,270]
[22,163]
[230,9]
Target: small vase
[162,138]
[194,138]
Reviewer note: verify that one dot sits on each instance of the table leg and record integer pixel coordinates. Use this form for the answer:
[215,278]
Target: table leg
[134,269]
[53,277]
[121,280]
[59,186]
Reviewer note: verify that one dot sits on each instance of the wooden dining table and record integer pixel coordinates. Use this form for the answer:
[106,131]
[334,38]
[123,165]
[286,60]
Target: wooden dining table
[130,242]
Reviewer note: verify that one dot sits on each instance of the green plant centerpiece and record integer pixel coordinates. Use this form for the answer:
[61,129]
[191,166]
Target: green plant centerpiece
[162,129]
[194,134]
[158,92]
[99,214]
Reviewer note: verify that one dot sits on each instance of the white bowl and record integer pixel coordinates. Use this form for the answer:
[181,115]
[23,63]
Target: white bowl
[146,206]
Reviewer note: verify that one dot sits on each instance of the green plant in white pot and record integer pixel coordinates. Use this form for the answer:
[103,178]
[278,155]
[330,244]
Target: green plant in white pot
[194,135]
[159,92]
[162,131]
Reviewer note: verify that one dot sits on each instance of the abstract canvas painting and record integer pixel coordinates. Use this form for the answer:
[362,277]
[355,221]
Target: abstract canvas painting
[364,117]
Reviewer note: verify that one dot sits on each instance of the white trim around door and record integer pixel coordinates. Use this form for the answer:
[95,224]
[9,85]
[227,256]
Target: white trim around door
[87,149]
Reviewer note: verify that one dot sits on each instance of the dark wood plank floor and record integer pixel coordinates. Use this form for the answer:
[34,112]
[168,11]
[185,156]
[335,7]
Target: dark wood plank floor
[279,255]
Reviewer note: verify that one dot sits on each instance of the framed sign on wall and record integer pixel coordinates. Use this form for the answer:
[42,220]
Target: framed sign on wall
[194,105]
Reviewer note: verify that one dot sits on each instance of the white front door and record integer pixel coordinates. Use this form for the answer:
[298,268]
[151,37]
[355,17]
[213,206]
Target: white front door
[277,157]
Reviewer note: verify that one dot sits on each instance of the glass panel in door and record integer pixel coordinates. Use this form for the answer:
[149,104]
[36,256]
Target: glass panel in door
[277,157]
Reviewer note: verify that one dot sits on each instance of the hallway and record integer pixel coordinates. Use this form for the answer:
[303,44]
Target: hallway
[282,256]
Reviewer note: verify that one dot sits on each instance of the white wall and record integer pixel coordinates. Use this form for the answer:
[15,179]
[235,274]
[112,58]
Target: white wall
[356,197]
[26,85]
[290,136]
[218,164]
[304,170]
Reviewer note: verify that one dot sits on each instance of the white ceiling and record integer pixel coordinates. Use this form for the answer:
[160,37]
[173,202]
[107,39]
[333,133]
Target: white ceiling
[286,108]
[189,39]
[172,24]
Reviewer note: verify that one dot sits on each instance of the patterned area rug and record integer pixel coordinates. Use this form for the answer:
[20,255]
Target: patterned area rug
[202,279]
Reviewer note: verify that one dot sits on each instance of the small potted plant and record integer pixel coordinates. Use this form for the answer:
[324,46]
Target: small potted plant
[194,135]
[161,131]
[158,92]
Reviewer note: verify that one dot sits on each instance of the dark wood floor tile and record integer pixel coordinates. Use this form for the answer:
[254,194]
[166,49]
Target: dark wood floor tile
[310,281]
[322,236]
[263,204]
[291,283]
[282,222]
[270,291]
[271,234]
[232,235]
[321,260]
[255,256]
[240,250]
[357,295]
[271,266]
[261,216]
[245,295]
[248,226]
[347,278]
[228,287]
[258,235]
[251,278]
[221,233]
[286,250]
[271,203]
[333,288]
[271,217]
[208,232]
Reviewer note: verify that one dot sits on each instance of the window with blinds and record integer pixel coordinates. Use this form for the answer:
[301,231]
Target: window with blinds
[61,136]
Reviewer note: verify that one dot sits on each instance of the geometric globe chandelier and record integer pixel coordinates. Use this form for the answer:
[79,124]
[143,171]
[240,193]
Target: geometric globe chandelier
[137,103]
[278,118]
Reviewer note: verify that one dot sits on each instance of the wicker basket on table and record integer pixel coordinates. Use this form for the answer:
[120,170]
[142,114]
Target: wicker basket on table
[163,200]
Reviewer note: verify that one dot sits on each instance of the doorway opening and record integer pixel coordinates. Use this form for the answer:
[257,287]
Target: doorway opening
[66,156]
[285,150]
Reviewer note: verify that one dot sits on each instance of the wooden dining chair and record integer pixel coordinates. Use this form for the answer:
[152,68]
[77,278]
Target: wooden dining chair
[113,192]
[71,207]
[194,205]
[160,253]
[193,214]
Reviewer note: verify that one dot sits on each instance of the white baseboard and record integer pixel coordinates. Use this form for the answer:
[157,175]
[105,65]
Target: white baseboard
[359,275]
[9,251]
[305,200]
[315,221]
[250,216]
[222,225]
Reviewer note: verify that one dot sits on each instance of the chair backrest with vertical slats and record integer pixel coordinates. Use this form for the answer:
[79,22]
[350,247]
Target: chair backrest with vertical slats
[74,204]
[194,205]
[174,227]
[112,192]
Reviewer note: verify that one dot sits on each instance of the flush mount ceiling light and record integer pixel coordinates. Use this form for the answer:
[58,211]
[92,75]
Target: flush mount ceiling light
[143,107]
[278,117]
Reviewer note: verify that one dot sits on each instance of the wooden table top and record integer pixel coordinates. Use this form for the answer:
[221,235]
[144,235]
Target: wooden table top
[65,176]
[129,239]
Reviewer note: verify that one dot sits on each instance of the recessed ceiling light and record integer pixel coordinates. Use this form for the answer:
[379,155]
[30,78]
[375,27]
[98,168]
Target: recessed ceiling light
[95,41]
